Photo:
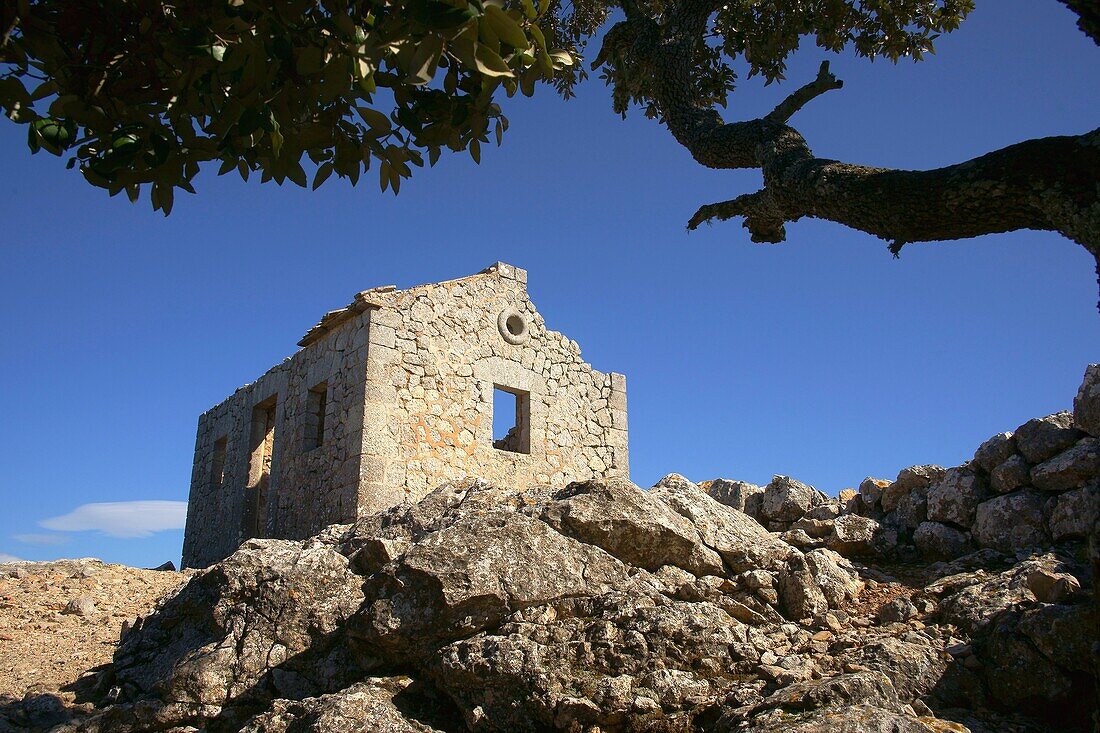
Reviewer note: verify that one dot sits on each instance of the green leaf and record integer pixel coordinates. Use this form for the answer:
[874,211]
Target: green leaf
[323,173]
[491,64]
[425,60]
[44,90]
[384,175]
[505,28]
[537,34]
[276,141]
[377,121]
[562,59]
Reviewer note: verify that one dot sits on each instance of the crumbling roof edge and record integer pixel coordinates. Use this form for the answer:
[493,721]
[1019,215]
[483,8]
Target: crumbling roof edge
[363,299]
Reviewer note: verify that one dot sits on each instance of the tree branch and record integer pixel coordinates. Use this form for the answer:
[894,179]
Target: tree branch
[1088,16]
[799,99]
[1050,184]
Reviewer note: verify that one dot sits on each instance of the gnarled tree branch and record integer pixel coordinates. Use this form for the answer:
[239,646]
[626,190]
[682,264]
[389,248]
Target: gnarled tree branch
[1048,184]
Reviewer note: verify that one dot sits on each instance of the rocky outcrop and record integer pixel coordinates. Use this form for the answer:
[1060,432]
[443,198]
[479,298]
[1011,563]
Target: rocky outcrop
[1086,405]
[786,500]
[1023,489]
[739,495]
[599,606]
[604,607]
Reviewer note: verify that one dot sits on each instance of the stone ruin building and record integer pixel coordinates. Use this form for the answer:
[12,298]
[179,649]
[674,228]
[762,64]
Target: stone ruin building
[393,395]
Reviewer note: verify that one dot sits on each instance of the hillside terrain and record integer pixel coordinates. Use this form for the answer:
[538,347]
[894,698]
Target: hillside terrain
[947,599]
[59,623]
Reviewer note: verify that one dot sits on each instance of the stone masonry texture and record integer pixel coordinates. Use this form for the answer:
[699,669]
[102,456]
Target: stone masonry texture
[405,380]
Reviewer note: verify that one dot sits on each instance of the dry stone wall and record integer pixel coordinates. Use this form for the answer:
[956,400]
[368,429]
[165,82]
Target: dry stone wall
[1031,488]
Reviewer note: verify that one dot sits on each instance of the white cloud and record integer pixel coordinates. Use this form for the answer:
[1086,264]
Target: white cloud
[121,518]
[41,539]
[5,557]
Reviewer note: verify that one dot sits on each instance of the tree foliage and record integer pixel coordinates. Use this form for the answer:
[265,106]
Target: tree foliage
[145,91]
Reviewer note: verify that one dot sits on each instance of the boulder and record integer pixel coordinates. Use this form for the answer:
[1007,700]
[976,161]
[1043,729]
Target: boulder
[378,539]
[786,500]
[908,480]
[914,664]
[995,451]
[835,576]
[870,490]
[1086,405]
[912,509]
[80,606]
[799,594]
[1010,475]
[734,494]
[1021,678]
[856,536]
[956,496]
[1064,633]
[937,541]
[897,610]
[1052,587]
[737,538]
[376,705]
[1011,521]
[471,575]
[1046,437]
[631,524]
[268,620]
[814,528]
[857,718]
[592,661]
[824,512]
[1072,513]
[1069,469]
[971,599]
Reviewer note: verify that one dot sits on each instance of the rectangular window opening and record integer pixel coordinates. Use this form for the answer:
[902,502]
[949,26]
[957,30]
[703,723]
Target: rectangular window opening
[217,463]
[511,419]
[317,406]
[259,467]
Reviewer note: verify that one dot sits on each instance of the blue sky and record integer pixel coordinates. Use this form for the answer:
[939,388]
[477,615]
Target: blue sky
[823,358]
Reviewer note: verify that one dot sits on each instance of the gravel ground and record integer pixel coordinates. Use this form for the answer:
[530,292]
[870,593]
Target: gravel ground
[60,619]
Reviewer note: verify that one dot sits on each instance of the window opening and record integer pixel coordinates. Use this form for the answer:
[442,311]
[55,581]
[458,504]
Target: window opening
[315,416]
[511,420]
[259,468]
[217,463]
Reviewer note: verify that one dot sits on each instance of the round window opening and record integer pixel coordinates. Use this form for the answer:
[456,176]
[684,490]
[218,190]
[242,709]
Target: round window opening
[512,326]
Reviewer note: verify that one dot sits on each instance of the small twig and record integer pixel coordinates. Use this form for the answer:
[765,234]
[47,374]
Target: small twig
[824,82]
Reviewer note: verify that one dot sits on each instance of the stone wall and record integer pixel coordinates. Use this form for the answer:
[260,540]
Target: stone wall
[437,351]
[307,487]
[408,379]
[1034,487]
